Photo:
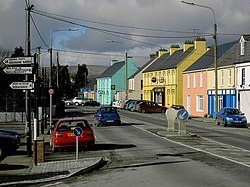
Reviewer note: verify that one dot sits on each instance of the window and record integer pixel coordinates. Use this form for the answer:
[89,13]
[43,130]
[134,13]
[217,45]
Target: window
[201,79]
[199,103]
[229,77]
[194,80]
[242,48]
[188,81]
[141,84]
[222,78]
[243,76]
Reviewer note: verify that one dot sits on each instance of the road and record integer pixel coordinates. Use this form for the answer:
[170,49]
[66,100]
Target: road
[138,155]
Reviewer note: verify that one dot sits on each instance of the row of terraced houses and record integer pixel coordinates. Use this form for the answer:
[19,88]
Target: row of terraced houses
[184,75]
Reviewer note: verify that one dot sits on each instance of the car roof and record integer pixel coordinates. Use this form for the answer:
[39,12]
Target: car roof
[72,119]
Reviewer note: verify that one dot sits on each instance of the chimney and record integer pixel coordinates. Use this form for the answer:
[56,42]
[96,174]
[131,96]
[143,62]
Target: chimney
[113,62]
[161,52]
[187,44]
[200,43]
[174,48]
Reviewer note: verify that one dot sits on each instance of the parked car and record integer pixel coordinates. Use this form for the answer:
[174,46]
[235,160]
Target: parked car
[149,106]
[91,102]
[62,135]
[177,107]
[11,133]
[78,101]
[107,115]
[124,104]
[68,102]
[8,144]
[231,117]
[132,106]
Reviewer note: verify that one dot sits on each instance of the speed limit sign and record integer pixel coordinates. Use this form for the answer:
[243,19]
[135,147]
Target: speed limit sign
[51,91]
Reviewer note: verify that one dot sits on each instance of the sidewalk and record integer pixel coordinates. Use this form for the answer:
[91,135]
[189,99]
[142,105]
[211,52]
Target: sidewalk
[20,169]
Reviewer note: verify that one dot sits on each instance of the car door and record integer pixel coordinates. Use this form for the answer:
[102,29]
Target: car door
[220,115]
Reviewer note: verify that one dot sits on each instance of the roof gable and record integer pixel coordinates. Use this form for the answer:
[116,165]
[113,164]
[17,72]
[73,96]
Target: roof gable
[112,70]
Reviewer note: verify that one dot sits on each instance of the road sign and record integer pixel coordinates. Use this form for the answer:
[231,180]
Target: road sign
[182,114]
[18,60]
[18,70]
[22,85]
[77,131]
[51,91]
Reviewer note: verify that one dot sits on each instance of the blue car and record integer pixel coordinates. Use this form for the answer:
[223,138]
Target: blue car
[107,115]
[231,117]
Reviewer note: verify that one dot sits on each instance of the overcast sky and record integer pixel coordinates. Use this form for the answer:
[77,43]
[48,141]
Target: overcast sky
[140,27]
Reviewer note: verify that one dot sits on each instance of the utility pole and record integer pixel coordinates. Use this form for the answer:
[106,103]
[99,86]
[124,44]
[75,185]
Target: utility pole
[57,70]
[126,75]
[28,8]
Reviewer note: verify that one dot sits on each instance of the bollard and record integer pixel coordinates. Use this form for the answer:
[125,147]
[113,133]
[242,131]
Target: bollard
[171,116]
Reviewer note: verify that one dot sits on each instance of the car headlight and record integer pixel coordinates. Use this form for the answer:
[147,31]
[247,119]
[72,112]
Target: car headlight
[227,118]
[244,119]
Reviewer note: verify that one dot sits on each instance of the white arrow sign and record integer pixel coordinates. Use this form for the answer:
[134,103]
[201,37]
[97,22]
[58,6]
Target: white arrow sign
[18,70]
[18,61]
[22,85]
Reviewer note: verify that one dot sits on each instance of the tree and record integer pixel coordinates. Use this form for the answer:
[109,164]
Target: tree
[81,78]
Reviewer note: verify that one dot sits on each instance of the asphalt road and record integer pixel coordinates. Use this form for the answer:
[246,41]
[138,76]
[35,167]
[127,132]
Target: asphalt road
[138,156]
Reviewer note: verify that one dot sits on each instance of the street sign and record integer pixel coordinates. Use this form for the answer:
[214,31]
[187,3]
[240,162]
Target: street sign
[182,114]
[22,85]
[18,70]
[51,91]
[18,60]
[77,131]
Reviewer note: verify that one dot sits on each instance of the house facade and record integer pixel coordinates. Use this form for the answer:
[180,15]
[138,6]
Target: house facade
[197,84]
[163,80]
[111,83]
[226,75]
[243,75]
[136,81]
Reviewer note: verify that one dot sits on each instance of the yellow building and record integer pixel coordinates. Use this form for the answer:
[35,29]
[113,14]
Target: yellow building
[162,81]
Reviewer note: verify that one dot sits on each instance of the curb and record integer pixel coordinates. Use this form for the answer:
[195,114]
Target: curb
[70,172]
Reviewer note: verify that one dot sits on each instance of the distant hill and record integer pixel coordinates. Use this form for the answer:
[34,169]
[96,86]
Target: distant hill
[94,72]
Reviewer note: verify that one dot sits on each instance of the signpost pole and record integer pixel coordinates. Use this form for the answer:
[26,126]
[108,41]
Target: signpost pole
[77,149]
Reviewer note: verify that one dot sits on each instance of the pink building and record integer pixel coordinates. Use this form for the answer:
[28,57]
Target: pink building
[195,98]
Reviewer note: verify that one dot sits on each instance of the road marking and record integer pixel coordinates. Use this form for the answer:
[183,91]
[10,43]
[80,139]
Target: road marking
[197,149]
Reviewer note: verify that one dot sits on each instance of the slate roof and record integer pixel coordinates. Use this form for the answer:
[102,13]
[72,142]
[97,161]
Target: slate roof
[167,61]
[246,37]
[246,57]
[112,70]
[145,65]
[207,60]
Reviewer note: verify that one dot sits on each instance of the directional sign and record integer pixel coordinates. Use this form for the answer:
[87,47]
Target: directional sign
[77,131]
[18,70]
[182,115]
[18,60]
[22,85]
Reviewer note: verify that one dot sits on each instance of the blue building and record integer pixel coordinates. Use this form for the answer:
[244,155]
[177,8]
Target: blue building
[111,83]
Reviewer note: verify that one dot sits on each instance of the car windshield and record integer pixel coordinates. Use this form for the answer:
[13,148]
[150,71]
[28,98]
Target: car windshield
[70,125]
[232,111]
[107,110]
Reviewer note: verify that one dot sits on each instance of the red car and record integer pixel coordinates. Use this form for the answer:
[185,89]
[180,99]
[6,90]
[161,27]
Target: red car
[62,136]
[148,106]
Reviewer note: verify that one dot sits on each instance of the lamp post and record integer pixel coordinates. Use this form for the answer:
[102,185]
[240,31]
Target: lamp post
[51,49]
[51,64]
[215,52]
[126,66]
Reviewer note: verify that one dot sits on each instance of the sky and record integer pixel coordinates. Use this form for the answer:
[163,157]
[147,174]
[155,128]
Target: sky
[94,32]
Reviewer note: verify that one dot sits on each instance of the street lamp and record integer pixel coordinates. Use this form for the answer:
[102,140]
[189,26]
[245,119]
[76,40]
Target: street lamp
[126,65]
[51,48]
[215,52]
[51,63]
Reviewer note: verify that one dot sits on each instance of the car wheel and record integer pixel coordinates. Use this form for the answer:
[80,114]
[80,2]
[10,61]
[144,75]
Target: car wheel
[217,121]
[76,104]
[163,110]
[55,149]
[1,152]
[224,123]
[143,111]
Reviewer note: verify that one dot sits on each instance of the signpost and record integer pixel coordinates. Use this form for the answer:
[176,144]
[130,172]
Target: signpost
[18,70]
[22,85]
[18,60]
[182,116]
[77,132]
